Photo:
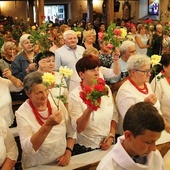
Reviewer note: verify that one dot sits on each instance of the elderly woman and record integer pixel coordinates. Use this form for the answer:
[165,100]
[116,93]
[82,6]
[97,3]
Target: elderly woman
[136,88]
[89,40]
[160,84]
[45,62]
[45,134]
[96,129]
[12,84]
[9,50]
[23,62]
[8,147]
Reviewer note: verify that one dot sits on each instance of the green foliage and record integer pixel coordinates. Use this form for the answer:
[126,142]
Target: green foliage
[40,37]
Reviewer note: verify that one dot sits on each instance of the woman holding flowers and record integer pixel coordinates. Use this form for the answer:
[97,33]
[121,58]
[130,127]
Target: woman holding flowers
[136,88]
[161,85]
[45,134]
[91,108]
[45,62]
[142,40]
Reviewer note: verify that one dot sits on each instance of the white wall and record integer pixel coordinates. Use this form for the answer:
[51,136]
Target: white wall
[143,8]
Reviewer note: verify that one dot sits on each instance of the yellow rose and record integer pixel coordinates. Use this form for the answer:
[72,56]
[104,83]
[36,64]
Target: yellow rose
[155,59]
[33,27]
[48,79]
[65,71]
[78,33]
[124,33]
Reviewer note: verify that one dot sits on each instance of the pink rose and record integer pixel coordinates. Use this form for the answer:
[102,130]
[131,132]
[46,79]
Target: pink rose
[110,46]
[101,35]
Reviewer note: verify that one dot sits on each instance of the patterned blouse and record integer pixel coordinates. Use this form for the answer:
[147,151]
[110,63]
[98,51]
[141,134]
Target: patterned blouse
[105,59]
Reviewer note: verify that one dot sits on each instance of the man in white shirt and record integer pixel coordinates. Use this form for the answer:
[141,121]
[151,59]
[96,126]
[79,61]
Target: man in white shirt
[69,53]
[136,150]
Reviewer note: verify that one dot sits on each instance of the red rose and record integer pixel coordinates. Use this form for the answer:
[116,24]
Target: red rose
[43,17]
[101,81]
[87,89]
[148,21]
[128,24]
[117,31]
[99,87]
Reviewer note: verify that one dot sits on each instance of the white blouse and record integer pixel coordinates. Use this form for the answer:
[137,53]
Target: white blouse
[163,94]
[100,121]
[127,96]
[6,101]
[55,143]
[8,147]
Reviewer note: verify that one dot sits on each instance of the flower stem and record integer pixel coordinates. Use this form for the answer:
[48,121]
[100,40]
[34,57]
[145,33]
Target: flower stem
[60,90]
[155,82]
[53,99]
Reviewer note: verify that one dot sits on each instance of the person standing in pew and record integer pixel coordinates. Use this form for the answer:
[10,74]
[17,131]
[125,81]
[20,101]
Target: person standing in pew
[136,149]
[95,127]
[45,131]
[12,84]
[8,147]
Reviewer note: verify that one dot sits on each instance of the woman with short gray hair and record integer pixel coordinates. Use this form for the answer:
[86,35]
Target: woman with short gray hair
[136,88]
[46,135]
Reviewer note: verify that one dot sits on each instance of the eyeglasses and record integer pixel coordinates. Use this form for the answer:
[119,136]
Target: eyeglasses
[144,71]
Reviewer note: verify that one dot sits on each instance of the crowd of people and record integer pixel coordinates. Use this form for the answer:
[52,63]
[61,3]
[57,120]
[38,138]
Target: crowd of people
[112,97]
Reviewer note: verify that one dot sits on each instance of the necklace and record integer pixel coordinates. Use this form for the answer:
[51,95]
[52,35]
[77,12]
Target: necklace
[38,115]
[142,90]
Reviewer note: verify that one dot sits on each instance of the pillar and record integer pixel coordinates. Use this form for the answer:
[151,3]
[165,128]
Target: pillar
[39,7]
[110,11]
[89,11]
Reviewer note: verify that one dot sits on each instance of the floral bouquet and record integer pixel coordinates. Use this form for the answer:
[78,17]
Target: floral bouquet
[92,96]
[114,36]
[39,36]
[49,81]
[155,62]
[149,25]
